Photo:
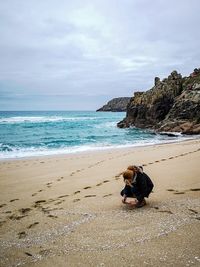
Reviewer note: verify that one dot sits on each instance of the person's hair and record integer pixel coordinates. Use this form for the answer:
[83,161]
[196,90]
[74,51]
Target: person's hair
[128,174]
[131,167]
[135,169]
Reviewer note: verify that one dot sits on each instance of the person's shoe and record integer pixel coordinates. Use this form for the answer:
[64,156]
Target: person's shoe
[140,204]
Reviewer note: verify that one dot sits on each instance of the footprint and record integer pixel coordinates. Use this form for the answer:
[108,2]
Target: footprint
[195,189]
[8,211]
[16,217]
[15,199]
[48,183]
[28,254]
[63,196]
[2,205]
[90,196]
[40,201]
[87,187]
[32,225]
[106,181]
[24,210]
[170,190]
[77,192]
[193,211]
[166,211]
[108,195]
[99,184]
[22,235]
[156,208]
[52,216]
[179,193]
[59,202]
[76,200]
[34,194]
[40,190]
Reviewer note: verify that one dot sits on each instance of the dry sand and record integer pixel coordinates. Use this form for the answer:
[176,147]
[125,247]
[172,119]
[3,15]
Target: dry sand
[67,211]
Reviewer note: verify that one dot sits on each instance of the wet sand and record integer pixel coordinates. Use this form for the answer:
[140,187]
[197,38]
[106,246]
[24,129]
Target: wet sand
[66,210]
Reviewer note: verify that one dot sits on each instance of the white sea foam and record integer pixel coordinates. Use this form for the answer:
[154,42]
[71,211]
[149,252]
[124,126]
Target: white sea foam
[40,119]
[33,151]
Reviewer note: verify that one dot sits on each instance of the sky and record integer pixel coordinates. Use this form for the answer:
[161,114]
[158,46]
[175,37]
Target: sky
[79,54]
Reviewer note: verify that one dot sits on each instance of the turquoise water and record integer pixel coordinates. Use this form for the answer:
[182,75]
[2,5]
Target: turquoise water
[36,133]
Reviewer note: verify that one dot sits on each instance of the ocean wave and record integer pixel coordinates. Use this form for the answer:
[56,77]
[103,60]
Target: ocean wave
[9,152]
[41,119]
[109,124]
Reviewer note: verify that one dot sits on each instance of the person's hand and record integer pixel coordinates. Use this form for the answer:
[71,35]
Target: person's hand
[133,203]
[124,199]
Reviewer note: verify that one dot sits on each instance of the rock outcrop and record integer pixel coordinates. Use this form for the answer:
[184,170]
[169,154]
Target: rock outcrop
[172,105]
[116,104]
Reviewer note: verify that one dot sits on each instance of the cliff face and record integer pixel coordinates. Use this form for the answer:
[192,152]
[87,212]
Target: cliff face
[116,104]
[172,105]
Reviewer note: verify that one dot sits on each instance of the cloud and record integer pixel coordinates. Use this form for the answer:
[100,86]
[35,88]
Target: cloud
[108,48]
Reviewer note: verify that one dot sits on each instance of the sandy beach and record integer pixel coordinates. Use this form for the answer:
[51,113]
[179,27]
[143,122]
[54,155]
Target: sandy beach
[67,211]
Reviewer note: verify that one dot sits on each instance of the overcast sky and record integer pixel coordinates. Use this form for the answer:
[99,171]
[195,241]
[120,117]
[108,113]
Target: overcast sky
[78,54]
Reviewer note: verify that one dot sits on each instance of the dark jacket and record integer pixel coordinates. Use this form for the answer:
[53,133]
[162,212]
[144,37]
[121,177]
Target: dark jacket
[141,188]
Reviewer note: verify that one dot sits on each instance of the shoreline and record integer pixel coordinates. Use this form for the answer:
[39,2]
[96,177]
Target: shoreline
[102,149]
[59,210]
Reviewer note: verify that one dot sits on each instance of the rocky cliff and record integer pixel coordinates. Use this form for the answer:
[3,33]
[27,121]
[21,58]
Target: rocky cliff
[116,104]
[171,105]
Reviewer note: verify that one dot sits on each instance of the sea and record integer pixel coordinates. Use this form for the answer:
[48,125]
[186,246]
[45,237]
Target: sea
[38,133]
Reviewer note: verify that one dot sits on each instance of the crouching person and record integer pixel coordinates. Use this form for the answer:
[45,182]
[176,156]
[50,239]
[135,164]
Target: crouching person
[137,185]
